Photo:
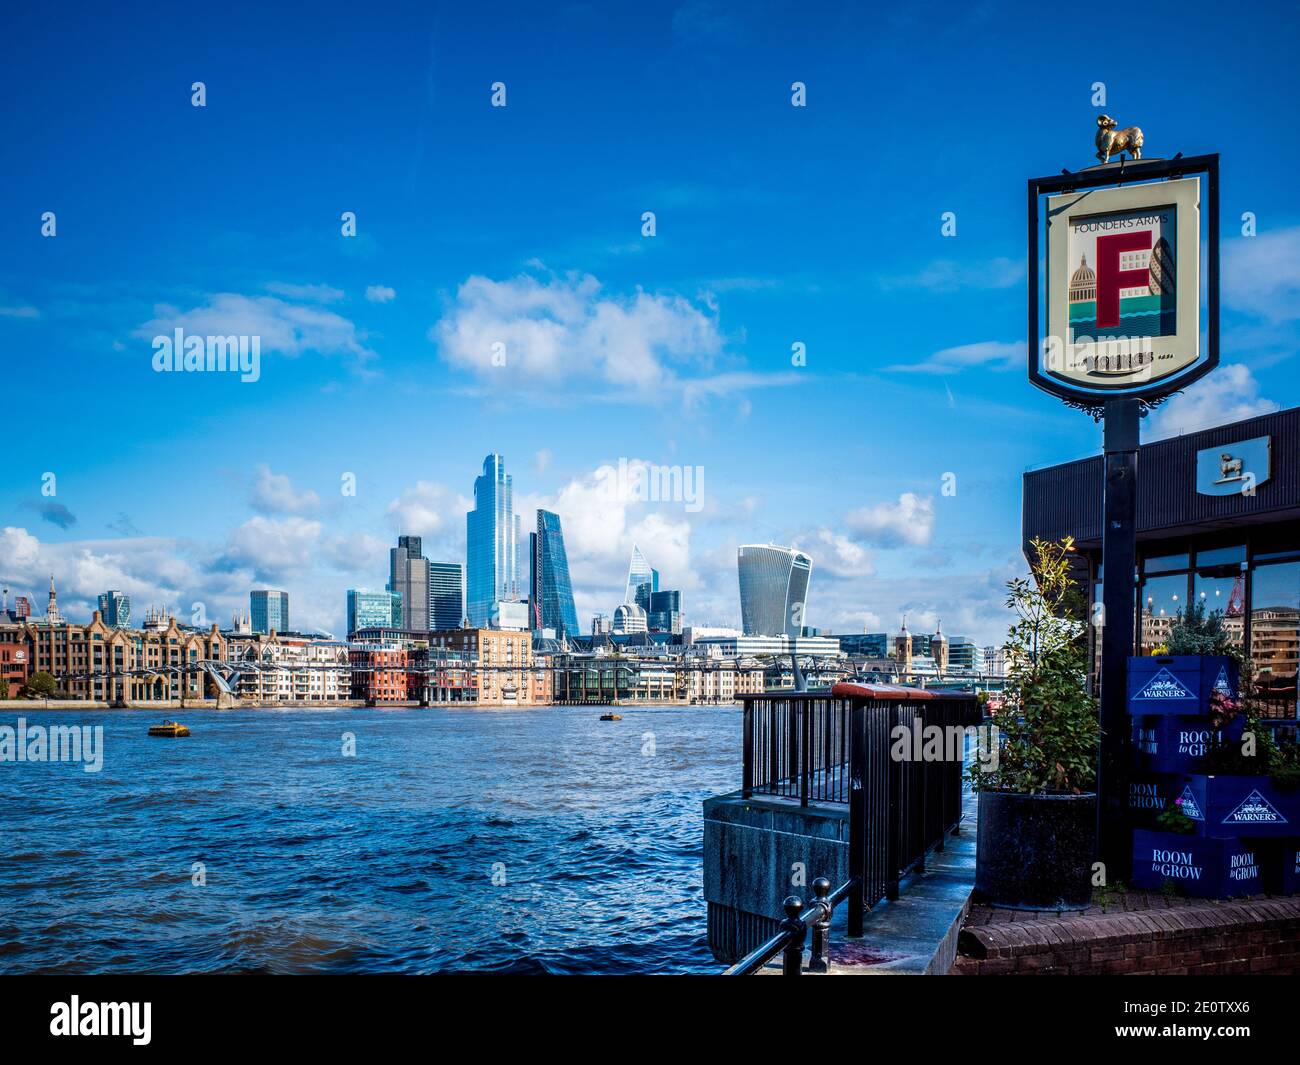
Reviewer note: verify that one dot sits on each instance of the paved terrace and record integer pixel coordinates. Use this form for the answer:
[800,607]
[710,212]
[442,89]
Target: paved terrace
[916,934]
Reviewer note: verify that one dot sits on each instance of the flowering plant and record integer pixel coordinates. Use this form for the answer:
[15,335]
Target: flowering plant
[1172,819]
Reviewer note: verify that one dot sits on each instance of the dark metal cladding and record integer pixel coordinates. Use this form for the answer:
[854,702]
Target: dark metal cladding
[1067,499]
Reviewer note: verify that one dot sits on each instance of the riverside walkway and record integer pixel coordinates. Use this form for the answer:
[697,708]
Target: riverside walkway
[840,793]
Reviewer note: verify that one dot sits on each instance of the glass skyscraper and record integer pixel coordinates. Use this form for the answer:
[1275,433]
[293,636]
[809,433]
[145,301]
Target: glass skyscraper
[642,580]
[115,609]
[373,610]
[491,544]
[446,596]
[551,593]
[269,609]
[665,614]
[773,589]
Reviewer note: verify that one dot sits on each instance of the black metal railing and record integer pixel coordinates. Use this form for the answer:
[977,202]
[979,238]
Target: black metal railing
[874,750]
[790,941]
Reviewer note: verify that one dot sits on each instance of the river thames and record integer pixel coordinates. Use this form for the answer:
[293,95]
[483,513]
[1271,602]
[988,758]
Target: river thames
[539,840]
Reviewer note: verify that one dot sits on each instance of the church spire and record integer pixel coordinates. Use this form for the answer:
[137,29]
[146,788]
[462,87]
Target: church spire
[52,613]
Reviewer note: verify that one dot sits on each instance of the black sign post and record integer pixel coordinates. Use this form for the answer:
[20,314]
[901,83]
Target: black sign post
[1118,602]
[1121,408]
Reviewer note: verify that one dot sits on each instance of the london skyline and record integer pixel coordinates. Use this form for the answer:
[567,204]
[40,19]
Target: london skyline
[827,362]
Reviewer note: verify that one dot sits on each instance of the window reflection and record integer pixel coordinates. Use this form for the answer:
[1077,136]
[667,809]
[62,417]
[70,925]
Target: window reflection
[1161,600]
[1225,595]
[1165,563]
[1275,634]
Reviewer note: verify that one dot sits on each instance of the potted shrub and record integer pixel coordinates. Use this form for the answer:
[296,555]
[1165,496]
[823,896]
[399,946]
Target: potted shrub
[1037,804]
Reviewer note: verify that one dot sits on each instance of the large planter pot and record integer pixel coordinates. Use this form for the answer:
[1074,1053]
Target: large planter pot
[1179,684]
[1035,852]
[1203,867]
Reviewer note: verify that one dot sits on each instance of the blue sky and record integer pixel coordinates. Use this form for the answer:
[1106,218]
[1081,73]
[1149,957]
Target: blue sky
[522,225]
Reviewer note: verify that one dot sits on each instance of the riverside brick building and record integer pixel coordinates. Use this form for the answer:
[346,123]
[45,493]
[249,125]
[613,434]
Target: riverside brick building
[98,662]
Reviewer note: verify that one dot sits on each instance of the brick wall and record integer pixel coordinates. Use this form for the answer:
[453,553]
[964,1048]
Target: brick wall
[1252,936]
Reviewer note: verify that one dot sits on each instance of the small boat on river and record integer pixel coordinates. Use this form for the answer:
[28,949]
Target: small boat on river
[611,717]
[171,729]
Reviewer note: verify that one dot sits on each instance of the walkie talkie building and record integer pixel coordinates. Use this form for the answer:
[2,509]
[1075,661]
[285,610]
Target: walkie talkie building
[773,589]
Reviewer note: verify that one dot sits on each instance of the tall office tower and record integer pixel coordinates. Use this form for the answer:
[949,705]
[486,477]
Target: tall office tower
[373,610]
[642,580]
[408,576]
[600,624]
[551,593]
[269,609]
[665,614]
[446,596]
[773,589]
[115,609]
[491,545]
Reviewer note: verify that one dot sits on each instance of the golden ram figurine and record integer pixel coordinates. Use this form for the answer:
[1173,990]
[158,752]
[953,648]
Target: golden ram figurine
[1112,141]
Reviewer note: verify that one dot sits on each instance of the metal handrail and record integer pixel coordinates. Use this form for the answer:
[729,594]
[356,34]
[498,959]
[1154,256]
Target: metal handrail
[794,932]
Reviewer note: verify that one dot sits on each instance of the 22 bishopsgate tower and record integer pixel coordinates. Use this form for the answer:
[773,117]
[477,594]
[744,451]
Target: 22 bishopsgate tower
[491,544]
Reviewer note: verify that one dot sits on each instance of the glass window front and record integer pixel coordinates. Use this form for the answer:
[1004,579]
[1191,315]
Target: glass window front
[1275,634]
[1221,556]
[1165,563]
[1161,600]
[1224,595]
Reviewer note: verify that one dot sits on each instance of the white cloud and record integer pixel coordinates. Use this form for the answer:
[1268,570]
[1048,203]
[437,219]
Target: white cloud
[182,575]
[565,327]
[357,552]
[909,522]
[286,328]
[380,293]
[19,548]
[273,493]
[1228,394]
[424,510]
[994,355]
[1261,274]
[271,549]
[542,460]
[836,554]
[19,312]
[601,525]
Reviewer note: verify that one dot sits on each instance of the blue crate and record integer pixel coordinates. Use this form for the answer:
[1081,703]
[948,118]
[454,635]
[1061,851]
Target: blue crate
[1149,795]
[1282,866]
[1179,684]
[1204,867]
[1290,865]
[1231,806]
[1177,743]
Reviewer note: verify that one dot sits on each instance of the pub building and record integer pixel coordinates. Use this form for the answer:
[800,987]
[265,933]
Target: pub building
[1218,520]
